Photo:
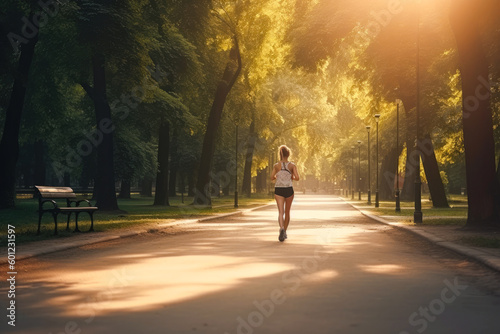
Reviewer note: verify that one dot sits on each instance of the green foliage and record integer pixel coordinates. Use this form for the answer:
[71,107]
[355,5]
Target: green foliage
[134,157]
[313,77]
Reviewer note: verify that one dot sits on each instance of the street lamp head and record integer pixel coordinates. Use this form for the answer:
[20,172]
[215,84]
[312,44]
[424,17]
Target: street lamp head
[368,128]
[377,117]
[359,142]
[352,147]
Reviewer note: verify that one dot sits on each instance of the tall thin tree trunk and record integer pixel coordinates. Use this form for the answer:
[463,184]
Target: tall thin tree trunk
[104,191]
[436,186]
[9,145]
[87,172]
[388,174]
[147,187]
[161,193]
[202,191]
[261,180]
[226,189]
[498,169]
[246,186]
[408,190]
[191,183]
[482,184]
[125,189]
[174,164]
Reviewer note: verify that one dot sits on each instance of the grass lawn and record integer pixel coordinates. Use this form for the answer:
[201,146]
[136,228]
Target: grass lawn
[456,214]
[136,211]
[481,242]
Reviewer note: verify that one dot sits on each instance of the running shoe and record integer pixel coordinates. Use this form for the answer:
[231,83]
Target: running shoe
[286,236]
[282,235]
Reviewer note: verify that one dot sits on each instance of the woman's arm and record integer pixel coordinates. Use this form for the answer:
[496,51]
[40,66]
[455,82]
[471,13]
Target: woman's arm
[295,173]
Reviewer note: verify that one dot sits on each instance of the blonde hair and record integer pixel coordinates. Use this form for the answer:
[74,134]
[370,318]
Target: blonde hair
[284,151]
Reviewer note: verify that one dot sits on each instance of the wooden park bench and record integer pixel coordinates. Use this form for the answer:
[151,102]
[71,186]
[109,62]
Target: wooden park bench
[51,195]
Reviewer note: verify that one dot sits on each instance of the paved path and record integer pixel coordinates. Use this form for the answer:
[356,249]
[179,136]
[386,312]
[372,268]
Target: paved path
[339,272]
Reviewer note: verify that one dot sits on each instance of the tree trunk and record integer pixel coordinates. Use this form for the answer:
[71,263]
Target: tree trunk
[125,189]
[436,186]
[191,183]
[39,168]
[387,177]
[182,184]
[147,187]
[216,187]
[261,180]
[9,145]
[87,173]
[498,170]
[202,191]
[408,190]
[174,164]
[246,186]
[226,189]
[482,184]
[161,193]
[104,188]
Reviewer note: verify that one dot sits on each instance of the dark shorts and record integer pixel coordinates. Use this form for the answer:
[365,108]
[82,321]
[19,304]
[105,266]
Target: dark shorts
[284,192]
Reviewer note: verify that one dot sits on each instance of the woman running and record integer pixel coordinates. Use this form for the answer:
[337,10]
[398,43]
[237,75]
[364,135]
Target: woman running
[284,173]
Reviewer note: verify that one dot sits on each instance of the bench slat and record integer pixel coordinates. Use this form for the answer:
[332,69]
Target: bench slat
[79,208]
[55,192]
[45,189]
[58,195]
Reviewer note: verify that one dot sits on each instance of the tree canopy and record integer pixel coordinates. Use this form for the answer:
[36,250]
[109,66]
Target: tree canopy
[109,95]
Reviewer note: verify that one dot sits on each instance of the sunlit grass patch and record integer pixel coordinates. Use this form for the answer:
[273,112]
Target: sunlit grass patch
[456,214]
[460,221]
[135,212]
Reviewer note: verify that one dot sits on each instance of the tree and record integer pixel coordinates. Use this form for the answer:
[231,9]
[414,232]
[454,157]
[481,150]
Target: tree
[374,61]
[260,25]
[161,196]
[231,74]
[135,154]
[9,144]
[94,18]
[104,188]
[119,52]
[482,185]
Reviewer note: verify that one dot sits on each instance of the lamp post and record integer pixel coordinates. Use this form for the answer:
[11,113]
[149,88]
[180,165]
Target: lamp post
[369,169]
[377,204]
[417,215]
[359,169]
[398,203]
[352,171]
[236,175]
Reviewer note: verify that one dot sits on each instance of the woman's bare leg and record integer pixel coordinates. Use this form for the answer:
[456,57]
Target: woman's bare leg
[280,201]
[288,205]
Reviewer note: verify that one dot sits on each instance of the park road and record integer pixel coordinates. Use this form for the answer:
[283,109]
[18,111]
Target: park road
[338,272]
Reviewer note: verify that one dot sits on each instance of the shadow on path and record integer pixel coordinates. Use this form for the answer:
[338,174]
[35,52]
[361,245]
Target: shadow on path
[338,273]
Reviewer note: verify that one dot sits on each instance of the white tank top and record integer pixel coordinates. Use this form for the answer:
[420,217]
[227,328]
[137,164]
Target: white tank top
[284,177]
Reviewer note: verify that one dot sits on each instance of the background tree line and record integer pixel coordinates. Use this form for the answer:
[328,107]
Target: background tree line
[99,93]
